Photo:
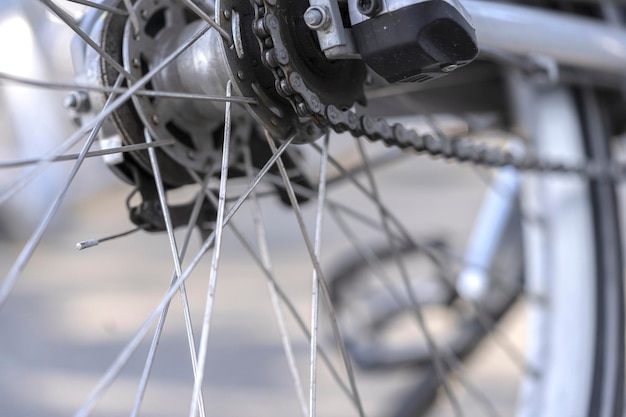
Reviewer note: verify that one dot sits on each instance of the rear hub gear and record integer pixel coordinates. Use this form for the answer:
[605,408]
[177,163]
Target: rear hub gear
[266,51]
[197,125]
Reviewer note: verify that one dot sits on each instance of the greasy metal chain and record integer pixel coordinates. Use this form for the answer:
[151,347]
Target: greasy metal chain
[307,104]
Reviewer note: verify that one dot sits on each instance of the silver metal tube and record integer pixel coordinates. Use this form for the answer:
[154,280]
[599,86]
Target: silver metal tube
[568,39]
[487,235]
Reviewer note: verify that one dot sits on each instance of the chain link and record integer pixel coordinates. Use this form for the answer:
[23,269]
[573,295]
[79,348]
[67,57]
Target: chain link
[290,85]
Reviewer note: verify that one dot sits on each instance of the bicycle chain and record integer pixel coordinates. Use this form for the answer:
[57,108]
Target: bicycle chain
[290,85]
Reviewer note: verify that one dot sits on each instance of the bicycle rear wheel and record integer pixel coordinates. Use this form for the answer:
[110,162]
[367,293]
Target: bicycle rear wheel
[585,335]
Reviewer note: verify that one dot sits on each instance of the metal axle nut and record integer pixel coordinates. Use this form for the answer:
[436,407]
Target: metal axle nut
[317,18]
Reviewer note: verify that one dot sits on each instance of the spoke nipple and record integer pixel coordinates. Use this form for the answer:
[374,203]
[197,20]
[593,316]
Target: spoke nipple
[90,243]
[86,244]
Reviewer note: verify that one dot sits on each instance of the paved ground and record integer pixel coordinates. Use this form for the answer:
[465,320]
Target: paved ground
[72,312]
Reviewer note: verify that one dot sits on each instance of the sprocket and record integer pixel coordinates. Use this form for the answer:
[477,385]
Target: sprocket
[257,64]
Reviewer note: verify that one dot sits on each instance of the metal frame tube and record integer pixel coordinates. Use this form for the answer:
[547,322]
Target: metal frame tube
[571,40]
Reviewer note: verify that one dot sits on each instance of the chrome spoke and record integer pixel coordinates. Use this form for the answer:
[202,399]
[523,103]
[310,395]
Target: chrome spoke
[104,89]
[325,292]
[44,162]
[272,287]
[197,10]
[71,23]
[106,112]
[123,357]
[156,171]
[219,229]
[291,308]
[461,373]
[275,286]
[507,345]
[299,320]
[319,218]
[351,176]
[375,264]
[417,309]
[391,156]
[132,15]
[91,154]
[100,6]
[159,328]
[503,341]
[368,255]
[280,293]
[178,273]
[35,238]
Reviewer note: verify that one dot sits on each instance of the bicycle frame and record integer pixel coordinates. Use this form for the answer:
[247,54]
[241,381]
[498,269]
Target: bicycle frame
[524,30]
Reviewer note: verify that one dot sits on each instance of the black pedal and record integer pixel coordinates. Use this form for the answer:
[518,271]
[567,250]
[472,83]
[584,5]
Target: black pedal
[415,43]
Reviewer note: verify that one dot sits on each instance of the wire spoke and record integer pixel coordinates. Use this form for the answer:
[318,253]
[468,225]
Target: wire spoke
[106,112]
[71,23]
[368,255]
[219,228]
[321,205]
[325,292]
[290,307]
[485,320]
[91,154]
[178,273]
[100,6]
[282,295]
[35,238]
[375,263]
[430,341]
[120,90]
[272,287]
[163,201]
[123,357]
[459,369]
[505,343]
[132,15]
[275,287]
[197,10]
[351,176]
[159,328]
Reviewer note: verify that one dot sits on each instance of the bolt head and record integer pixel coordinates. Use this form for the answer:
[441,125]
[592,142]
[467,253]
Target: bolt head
[317,18]
[369,8]
[70,101]
[77,101]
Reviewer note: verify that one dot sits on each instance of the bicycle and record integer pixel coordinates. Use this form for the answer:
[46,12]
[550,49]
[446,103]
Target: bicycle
[242,102]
